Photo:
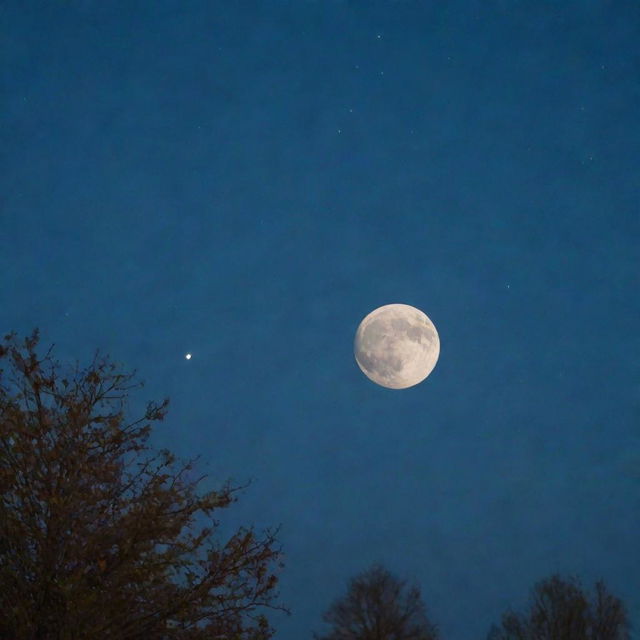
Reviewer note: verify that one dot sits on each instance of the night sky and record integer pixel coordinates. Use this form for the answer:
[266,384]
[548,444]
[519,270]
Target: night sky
[245,181]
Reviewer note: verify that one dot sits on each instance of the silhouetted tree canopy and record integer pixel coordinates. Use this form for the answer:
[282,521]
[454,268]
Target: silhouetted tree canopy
[560,610]
[97,535]
[378,606]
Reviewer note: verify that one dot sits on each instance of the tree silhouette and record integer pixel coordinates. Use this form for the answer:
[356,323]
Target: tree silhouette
[97,531]
[378,606]
[560,610]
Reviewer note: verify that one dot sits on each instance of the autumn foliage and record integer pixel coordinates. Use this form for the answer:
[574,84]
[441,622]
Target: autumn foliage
[97,531]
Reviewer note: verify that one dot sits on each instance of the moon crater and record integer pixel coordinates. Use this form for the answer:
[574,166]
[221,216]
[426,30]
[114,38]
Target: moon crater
[396,346]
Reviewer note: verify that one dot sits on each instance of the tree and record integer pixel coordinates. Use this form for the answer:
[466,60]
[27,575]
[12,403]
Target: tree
[98,535]
[378,606]
[560,610]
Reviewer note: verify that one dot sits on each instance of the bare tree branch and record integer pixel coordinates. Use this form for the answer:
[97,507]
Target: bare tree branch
[560,610]
[378,606]
[97,534]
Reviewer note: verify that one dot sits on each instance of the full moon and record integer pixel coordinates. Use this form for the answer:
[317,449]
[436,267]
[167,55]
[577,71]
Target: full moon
[396,346]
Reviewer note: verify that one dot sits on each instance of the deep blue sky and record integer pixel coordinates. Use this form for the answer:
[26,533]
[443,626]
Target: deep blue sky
[247,180]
